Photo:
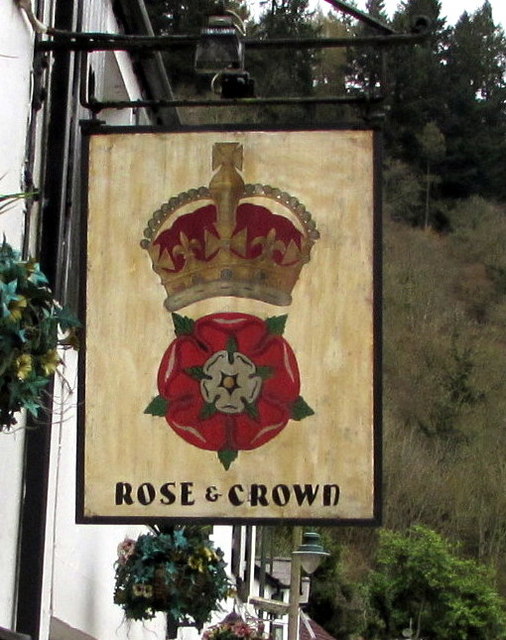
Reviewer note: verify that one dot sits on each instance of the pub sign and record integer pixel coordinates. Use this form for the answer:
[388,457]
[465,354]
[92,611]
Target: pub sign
[230,295]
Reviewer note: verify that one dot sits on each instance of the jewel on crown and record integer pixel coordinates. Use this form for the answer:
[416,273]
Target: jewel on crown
[229,239]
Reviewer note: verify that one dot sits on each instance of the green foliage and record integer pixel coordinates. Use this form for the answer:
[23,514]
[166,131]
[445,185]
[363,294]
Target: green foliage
[29,323]
[421,580]
[226,457]
[300,409]
[276,324]
[157,407]
[6,201]
[290,71]
[335,600]
[177,571]
[456,82]
[444,393]
[475,122]
[403,192]
[183,325]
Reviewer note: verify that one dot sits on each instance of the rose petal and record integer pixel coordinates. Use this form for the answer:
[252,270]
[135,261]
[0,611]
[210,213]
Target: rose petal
[182,354]
[283,385]
[250,433]
[183,416]
[216,330]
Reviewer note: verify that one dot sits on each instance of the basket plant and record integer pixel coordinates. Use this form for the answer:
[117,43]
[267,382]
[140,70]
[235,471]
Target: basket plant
[32,324]
[233,627]
[177,571]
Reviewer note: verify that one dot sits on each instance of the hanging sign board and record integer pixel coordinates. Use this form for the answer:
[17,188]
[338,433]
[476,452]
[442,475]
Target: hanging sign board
[232,335]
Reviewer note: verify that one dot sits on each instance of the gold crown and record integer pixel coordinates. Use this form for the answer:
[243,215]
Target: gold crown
[229,239]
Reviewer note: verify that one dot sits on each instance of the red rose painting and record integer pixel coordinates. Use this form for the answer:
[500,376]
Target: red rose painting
[229,382]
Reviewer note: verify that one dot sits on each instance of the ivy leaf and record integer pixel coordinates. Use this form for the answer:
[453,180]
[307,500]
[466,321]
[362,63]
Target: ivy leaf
[32,406]
[36,276]
[276,324]
[183,326]
[300,409]
[170,568]
[197,373]
[264,372]
[66,319]
[180,540]
[226,457]
[207,411]
[157,407]
[8,291]
[35,384]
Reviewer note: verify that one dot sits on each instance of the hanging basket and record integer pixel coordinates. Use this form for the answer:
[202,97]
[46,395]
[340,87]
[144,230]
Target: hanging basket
[234,627]
[178,572]
[32,328]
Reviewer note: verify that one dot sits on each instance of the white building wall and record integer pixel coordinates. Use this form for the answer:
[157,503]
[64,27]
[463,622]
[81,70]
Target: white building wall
[79,575]
[16,52]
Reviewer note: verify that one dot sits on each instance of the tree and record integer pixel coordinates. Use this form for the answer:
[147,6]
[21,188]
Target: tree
[433,148]
[416,78]
[421,582]
[366,64]
[288,71]
[334,600]
[475,125]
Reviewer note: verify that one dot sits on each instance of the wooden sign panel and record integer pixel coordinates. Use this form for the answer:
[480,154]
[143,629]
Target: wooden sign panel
[232,335]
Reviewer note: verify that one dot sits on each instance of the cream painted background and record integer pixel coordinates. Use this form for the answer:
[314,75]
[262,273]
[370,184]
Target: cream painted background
[329,323]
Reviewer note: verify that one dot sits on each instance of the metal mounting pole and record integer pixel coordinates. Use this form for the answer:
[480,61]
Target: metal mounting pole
[294,602]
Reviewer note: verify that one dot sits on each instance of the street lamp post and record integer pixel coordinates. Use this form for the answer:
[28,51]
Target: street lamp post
[308,554]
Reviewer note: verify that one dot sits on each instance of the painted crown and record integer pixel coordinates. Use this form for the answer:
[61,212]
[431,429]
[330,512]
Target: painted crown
[229,239]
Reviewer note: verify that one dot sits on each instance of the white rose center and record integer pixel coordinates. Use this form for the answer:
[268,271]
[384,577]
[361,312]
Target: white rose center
[231,382]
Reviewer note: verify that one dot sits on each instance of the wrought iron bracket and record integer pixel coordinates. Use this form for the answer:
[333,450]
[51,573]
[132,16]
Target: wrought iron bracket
[57,41]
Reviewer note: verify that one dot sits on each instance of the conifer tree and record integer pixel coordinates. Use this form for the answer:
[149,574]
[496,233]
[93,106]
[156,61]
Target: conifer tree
[476,124]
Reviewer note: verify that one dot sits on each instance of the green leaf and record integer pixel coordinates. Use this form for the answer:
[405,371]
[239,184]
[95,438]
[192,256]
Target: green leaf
[226,457]
[276,324]
[8,291]
[264,372]
[66,319]
[251,409]
[197,373]
[231,345]
[32,406]
[207,411]
[157,407]
[183,326]
[301,409]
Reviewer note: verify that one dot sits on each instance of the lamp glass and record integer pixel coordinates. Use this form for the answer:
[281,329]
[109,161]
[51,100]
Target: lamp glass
[310,553]
[219,47]
[218,51]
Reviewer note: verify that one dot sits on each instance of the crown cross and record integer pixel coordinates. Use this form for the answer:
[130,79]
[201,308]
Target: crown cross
[227,186]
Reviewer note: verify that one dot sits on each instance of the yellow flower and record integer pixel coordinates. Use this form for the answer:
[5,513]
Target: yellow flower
[30,265]
[49,361]
[23,366]
[209,554]
[196,563]
[16,307]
